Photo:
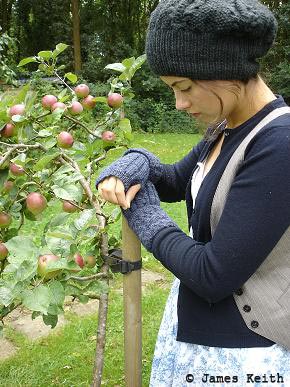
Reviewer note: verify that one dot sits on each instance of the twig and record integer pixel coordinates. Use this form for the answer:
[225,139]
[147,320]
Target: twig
[77,122]
[89,277]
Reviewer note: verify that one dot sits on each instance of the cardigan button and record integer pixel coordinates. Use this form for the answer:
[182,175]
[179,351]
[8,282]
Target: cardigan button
[247,308]
[239,292]
[254,324]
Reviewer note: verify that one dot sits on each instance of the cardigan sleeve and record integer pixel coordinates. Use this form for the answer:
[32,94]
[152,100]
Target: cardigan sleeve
[256,215]
[172,184]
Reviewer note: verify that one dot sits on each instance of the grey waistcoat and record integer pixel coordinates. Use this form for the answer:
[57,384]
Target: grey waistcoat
[267,291]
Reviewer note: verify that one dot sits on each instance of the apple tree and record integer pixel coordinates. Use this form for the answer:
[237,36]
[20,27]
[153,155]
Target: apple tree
[50,149]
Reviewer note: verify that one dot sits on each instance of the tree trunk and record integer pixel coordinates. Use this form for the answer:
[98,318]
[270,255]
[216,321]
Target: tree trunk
[76,35]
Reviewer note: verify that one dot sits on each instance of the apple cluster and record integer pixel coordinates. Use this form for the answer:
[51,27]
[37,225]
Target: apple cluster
[50,102]
[36,202]
[46,273]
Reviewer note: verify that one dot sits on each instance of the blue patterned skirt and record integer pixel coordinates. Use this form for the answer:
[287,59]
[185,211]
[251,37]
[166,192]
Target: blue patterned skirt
[178,364]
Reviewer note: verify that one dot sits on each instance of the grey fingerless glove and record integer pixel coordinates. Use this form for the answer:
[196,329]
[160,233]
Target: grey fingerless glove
[135,167]
[155,166]
[145,216]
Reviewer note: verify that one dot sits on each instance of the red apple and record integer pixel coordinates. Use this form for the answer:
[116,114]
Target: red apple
[3,251]
[58,105]
[17,109]
[65,140]
[79,260]
[68,207]
[16,170]
[36,203]
[108,136]
[76,108]
[8,185]
[88,102]
[115,100]
[8,130]
[48,100]
[5,220]
[43,261]
[82,90]
[91,261]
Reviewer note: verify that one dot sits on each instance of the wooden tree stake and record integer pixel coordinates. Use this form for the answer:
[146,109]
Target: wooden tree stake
[132,309]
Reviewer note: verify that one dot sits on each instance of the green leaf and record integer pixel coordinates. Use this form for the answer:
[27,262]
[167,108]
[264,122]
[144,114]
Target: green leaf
[125,125]
[37,299]
[24,61]
[44,133]
[59,219]
[57,293]
[128,62]
[116,214]
[116,66]
[85,217]
[6,296]
[45,54]
[44,161]
[22,248]
[18,118]
[59,49]
[3,176]
[50,319]
[71,77]
[101,99]
[68,192]
[60,235]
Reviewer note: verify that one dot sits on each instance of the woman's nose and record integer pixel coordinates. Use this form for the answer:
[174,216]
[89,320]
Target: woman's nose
[182,102]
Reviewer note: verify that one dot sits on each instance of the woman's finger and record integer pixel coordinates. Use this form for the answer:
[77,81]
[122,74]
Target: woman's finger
[108,187]
[132,191]
[120,194]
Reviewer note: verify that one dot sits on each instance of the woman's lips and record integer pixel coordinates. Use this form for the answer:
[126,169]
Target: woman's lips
[195,114]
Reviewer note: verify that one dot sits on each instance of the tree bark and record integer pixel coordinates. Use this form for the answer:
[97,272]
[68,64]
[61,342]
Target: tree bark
[76,35]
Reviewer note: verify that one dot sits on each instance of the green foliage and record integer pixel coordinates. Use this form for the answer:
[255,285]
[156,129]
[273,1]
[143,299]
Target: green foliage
[157,117]
[57,173]
[7,45]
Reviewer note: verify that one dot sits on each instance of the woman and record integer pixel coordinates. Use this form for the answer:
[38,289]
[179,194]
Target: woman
[207,51]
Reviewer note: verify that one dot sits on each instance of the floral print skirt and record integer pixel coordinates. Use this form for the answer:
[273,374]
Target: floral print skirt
[178,364]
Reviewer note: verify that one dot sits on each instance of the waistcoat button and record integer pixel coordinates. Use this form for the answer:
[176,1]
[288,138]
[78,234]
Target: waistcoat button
[254,324]
[239,292]
[247,308]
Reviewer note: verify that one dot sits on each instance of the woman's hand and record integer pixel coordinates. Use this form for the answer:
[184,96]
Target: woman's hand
[112,190]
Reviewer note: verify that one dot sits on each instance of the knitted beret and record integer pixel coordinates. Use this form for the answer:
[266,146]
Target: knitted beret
[209,39]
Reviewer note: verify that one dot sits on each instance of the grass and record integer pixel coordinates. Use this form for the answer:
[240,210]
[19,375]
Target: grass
[65,358]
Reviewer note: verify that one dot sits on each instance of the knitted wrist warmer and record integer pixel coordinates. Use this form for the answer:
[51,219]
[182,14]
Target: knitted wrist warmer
[155,166]
[131,169]
[145,217]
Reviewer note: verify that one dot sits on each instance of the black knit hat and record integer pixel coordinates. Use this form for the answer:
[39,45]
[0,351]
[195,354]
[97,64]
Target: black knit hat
[209,39]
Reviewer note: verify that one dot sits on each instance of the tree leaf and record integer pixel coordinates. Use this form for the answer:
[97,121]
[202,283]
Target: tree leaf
[45,54]
[85,217]
[50,319]
[37,299]
[116,66]
[22,248]
[71,77]
[68,192]
[59,49]
[24,61]
[42,163]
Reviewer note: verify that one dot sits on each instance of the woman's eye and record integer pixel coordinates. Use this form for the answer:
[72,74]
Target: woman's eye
[188,89]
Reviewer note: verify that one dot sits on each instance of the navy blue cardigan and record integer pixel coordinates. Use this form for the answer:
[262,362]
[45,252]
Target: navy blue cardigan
[256,215]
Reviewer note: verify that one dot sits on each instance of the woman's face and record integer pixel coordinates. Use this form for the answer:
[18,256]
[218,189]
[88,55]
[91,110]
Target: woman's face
[202,99]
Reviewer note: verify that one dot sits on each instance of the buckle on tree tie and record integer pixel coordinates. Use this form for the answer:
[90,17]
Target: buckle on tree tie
[118,264]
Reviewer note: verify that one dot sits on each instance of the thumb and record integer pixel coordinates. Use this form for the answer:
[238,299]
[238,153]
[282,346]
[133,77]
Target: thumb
[131,193]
